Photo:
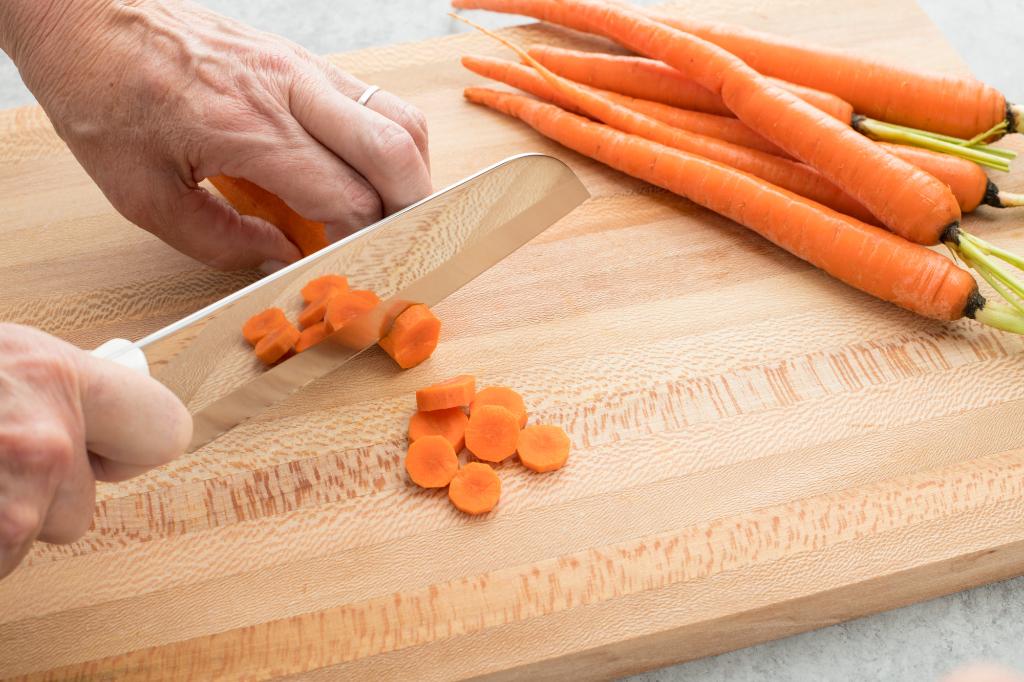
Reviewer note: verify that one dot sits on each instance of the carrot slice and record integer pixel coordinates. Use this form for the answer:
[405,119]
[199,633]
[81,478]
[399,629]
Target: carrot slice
[492,433]
[277,343]
[317,288]
[311,336]
[431,462]
[413,337]
[450,423]
[261,324]
[475,489]
[315,311]
[503,397]
[457,392]
[543,448]
[343,308]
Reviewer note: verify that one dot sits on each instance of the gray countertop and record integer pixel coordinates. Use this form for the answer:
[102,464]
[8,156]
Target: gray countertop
[920,642]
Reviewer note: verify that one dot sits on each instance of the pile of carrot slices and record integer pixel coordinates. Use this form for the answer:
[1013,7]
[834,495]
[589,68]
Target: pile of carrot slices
[330,307]
[494,430]
[793,161]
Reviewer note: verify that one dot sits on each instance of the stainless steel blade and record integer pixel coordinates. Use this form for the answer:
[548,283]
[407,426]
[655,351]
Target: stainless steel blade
[419,255]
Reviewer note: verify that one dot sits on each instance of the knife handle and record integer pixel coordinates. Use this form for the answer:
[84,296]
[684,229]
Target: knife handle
[123,352]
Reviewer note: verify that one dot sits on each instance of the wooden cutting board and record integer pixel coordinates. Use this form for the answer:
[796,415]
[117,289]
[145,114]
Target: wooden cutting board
[759,450]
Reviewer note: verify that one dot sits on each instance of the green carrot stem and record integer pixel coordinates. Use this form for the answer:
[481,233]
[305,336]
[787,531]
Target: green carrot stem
[1000,317]
[880,130]
[982,257]
[1010,199]
[998,151]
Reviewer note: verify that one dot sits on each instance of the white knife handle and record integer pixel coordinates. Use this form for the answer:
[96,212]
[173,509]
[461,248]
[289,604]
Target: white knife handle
[125,353]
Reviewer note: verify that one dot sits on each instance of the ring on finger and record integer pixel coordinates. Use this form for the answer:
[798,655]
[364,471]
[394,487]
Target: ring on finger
[367,94]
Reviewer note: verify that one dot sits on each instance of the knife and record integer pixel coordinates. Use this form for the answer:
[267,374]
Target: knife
[418,255]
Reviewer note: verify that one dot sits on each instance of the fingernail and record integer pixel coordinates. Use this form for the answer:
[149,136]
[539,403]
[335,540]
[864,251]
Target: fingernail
[271,266]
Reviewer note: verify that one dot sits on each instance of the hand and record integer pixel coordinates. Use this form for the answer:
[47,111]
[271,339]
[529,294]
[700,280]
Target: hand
[153,96]
[983,672]
[68,419]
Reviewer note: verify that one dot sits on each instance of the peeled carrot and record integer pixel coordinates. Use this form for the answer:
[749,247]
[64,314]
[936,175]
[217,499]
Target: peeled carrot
[450,423]
[413,336]
[653,80]
[277,343]
[431,462]
[456,392]
[543,448]
[314,312]
[502,396]
[492,433]
[867,258]
[261,324]
[720,127]
[311,336]
[475,489]
[954,105]
[253,200]
[322,286]
[343,308]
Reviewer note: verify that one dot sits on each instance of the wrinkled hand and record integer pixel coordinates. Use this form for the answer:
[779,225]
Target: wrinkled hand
[68,419]
[153,96]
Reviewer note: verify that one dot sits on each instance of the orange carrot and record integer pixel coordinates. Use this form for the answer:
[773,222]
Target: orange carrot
[502,396]
[492,433]
[261,324]
[720,127]
[953,105]
[456,392]
[277,343]
[431,462]
[865,257]
[324,285]
[653,80]
[314,312]
[543,448]
[343,308]
[475,489]
[450,423]
[253,200]
[311,336]
[909,201]
[413,337]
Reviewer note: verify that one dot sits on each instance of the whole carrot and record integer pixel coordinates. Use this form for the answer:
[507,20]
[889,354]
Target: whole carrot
[653,80]
[867,258]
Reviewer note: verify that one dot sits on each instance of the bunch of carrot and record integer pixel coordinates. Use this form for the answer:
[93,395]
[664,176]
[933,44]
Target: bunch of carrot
[494,430]
[807,181]
[331,306]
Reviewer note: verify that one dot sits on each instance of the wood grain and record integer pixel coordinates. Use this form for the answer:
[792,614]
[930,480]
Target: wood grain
[759,450]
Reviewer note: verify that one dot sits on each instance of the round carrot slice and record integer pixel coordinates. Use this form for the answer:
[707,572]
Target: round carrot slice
[543,448]
[261,324]
[277,344]
[450,423]
[451,393]
[413,336]
[475,489]
[431,462]
[492,433]
[320,287]
[504,397]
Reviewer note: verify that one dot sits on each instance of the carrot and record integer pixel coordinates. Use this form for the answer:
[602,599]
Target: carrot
[413,336]
[526,78]
[311,336]
[450,423]
[653,80]
[492,433]
[314,312]
[501,396]
[954,105]
[475,489]
[543,448]
[343,308]
[431,462]
[261,324]
[253,200]
[322,286]
[456,392]
[277,343]
[867,258]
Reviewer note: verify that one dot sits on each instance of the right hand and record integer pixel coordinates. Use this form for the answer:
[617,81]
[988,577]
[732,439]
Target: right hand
[67,420]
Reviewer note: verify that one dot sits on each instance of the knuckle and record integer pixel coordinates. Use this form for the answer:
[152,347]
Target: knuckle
[363,203]
[19,524]
[395,146]
[415,122]
[39,448]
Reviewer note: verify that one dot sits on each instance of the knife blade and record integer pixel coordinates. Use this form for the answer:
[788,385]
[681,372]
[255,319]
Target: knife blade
[421,254]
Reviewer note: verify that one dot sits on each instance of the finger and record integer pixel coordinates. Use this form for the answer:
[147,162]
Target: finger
[129,417]
[379,149]
[111,471]
[74,500]
[385,104]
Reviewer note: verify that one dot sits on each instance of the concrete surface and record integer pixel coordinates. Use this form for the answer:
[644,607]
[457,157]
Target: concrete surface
[916,643]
